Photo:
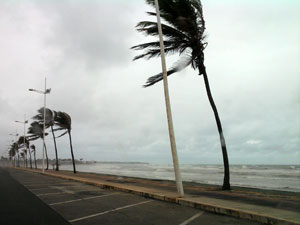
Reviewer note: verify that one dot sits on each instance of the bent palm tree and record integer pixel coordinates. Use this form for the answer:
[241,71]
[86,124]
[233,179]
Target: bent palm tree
[49,122]
[15,146]
[183,31]
[23,156]
[12,153]
[34,154]
[36,131]
[21,142]
[63,121]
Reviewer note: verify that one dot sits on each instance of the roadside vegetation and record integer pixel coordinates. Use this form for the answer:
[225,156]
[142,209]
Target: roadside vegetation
[59,123]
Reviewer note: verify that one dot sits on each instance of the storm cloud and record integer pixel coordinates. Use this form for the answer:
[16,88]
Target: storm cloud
[83,48]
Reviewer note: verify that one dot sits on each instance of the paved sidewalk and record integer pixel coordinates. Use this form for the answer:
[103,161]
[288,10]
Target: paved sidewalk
[268,207]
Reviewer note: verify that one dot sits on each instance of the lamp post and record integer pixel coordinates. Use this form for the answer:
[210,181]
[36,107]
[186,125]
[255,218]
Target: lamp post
[46,91]
[24,122]
[168,107]
[16,135]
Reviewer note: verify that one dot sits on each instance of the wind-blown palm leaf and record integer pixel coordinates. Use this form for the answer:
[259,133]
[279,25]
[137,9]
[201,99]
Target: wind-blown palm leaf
[178,66]
[21,142]
[183,32]
[64,133]
[36,131]
[63,120]
[50,116]
[32,147]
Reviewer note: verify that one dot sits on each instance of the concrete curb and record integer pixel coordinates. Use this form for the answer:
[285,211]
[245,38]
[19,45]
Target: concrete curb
[173,198]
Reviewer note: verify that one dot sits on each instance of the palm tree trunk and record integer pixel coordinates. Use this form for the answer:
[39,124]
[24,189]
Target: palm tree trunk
[35,159]
[30,160]
[26,159]
[56,155]
[18,161]
[46,157]
[74,168]
[226,182]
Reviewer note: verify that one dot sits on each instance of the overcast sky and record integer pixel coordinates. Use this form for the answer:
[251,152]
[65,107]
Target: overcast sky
[83,48]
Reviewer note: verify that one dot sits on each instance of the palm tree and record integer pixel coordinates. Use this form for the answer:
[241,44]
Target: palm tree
[63,121]
[36,131]
[34,154]
[12,154]
[49,122]
[183,31]
[23,156]
[21,142]
[15,151]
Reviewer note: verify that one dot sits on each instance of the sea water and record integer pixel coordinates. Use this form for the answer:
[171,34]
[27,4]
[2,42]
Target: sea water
[273,177]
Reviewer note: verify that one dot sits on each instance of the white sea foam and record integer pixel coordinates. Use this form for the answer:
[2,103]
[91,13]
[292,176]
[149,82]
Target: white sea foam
[273,177]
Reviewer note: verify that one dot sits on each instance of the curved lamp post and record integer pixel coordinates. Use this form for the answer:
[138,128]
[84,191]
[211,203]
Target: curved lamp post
[46,91]
[168,107]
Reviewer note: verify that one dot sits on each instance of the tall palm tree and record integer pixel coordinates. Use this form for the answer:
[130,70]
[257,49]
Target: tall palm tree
[36,131]
[12,153]
[15,149]
[183,31]
[21,142]
[23,156]
[49,122]
[34,154]
[63,121]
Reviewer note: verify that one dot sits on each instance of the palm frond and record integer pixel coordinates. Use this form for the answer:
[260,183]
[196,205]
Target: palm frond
[62,134]
[23,140]
[63,120]
[183,28]
[150,28]
[178,66]
[35,128]
[49,116]
[151,53]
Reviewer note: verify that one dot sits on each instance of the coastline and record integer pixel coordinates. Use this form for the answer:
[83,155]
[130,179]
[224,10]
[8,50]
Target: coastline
[268,207]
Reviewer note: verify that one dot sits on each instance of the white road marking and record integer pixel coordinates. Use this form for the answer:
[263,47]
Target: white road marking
[36,184]
[108,211]
[63,189]
[80,199]
[53,193]
[36,189]
[52,186]
[192,218]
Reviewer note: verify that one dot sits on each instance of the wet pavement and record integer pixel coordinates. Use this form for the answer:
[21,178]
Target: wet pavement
[80,203]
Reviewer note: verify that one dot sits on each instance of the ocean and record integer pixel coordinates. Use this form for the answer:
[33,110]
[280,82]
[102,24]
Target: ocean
[271,177]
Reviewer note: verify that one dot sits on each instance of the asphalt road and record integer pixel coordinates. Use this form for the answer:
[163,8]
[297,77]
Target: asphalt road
[20,206]
[82,204]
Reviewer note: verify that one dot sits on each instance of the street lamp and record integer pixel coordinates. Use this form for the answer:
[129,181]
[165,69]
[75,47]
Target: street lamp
[24,122]
[46,91]
[168,107]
